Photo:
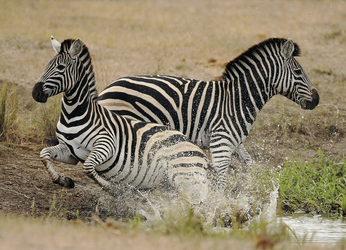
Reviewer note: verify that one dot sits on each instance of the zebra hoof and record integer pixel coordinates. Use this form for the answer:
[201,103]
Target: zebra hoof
[68,182]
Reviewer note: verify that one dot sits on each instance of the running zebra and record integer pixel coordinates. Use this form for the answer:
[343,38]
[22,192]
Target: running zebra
[217,114]
[112,148]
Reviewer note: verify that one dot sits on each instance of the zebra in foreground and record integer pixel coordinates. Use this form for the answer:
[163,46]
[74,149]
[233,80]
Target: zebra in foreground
[112,148]
[217,114]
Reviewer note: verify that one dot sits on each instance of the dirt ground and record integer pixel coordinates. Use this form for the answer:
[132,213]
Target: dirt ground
[26,189]
[192,39]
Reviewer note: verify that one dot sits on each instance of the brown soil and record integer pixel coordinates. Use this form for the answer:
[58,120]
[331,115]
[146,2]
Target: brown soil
[26,187]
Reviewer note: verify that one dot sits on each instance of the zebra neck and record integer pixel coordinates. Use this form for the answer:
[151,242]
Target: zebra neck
[86,60]
[244,95]
[92,86]
[78,100]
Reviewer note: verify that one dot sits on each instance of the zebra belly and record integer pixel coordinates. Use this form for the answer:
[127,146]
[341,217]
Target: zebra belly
[80,144]
[77,149]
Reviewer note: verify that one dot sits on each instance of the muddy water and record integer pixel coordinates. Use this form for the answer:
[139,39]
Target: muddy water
[309,228]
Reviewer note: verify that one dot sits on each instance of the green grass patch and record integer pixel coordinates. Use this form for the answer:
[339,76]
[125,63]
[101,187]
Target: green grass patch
[314,186]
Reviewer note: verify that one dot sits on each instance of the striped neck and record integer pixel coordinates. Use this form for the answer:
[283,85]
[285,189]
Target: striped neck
[78,99]
[85,58]
[252,77]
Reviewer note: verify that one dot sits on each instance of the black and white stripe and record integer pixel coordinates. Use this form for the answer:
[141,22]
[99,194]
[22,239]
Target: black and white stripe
[216,114]
[111,147]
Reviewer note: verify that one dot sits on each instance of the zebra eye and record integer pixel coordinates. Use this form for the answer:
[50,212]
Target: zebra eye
[61,67]
[298,72]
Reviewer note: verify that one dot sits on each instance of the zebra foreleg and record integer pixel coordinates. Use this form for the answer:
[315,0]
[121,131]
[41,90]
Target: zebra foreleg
[221,160]
[221,170]
[244,157]
[59,153]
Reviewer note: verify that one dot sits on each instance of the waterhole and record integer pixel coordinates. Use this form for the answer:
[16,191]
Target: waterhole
[314,228]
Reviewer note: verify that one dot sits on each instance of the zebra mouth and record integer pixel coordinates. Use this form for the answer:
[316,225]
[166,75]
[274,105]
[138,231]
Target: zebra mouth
[38,94]
[313,103]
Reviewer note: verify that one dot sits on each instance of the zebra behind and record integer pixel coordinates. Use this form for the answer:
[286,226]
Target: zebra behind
[112,148]
[217,114]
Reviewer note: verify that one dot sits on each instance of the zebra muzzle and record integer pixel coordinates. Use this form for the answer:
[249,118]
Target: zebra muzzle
[314,102]
[38,94]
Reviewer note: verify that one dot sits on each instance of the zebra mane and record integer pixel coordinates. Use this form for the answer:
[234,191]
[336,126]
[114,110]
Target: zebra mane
[86,59]
[271,41]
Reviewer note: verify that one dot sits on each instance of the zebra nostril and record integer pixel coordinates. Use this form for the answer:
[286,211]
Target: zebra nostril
[315,100]
[315,96]
[38,94]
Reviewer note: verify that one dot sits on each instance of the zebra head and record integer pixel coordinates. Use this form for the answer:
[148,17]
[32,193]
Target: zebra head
[60,74]
[293,82]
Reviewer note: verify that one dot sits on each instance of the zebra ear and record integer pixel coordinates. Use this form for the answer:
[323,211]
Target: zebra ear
[287,49]
[56,45]
[76,48]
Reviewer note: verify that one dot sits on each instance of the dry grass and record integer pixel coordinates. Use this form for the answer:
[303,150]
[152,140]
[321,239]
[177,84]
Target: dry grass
[8,112]
[184,38]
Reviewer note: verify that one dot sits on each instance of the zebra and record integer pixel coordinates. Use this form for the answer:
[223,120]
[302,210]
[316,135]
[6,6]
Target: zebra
[113,149]
[217,114]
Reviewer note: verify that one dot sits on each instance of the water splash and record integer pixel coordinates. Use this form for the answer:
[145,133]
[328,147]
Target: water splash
[249,197]
[270,208]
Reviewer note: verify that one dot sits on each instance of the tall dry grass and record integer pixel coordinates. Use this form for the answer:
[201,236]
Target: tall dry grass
[48,117]
[8,113]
